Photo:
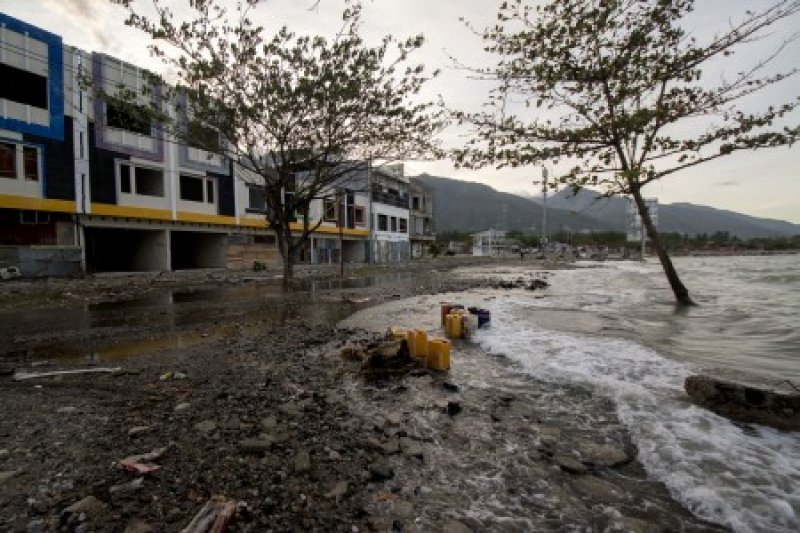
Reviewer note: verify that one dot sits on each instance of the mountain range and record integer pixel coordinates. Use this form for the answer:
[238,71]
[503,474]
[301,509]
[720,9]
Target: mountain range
[468,206]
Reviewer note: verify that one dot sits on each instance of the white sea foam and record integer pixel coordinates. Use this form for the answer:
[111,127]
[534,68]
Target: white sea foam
[746,480]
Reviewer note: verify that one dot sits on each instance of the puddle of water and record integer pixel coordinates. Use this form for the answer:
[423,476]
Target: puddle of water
[181,318]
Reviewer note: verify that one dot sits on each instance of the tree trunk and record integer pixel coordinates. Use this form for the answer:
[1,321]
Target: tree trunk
[284,237]
[680,291]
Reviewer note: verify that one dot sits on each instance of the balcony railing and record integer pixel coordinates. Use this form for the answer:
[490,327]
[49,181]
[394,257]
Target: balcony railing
[390,199]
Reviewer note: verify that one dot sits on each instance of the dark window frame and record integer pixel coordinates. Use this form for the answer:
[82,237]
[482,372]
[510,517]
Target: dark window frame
[9,153]
[257,190]
[210,195]
[143,182]
[382,222]
[27,174]
[360,215]
[190,188]
[329,210]
[28,88]
[120,117]
[202,137]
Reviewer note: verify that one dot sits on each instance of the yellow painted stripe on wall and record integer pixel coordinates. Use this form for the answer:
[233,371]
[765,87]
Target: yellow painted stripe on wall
[10,201]
[203,218]
[260,223]
[334,230]
[130,212]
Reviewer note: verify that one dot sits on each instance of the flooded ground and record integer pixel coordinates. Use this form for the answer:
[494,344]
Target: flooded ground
[266,413]
[183,317]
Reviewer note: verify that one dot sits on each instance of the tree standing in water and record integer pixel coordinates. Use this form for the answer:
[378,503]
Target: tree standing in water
[625,80]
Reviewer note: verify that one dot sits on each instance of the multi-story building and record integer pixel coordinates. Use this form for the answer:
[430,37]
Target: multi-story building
[421,225]
[38,163]
[86,185]
[390,204]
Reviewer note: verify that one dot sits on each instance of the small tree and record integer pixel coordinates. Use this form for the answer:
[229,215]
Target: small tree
[294,113]
[627,82]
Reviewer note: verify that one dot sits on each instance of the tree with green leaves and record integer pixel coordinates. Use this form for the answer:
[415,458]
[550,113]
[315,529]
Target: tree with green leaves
[296,114]
[623,82]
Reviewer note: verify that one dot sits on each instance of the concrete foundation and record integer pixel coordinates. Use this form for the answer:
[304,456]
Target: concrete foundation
[43,261]
[126,250]
[198,250]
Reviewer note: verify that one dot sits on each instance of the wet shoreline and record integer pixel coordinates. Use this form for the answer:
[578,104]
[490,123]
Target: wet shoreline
[266,413]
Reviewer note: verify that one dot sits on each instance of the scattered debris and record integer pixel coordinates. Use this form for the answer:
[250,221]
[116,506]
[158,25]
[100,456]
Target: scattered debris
[141,464]
[138,430]
[127,488]
[87,506]
[20,376]
[10,273]
[453,408]
[213,517]
[746,404]
[172,376]
[450,386]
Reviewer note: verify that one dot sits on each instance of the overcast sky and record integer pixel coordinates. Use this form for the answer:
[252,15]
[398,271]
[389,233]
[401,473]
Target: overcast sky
[764,183]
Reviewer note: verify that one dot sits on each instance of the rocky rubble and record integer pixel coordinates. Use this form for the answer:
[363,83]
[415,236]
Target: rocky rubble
[297,425]
[258,423]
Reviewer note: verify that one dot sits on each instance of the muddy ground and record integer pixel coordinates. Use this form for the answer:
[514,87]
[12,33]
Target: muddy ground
[241,391]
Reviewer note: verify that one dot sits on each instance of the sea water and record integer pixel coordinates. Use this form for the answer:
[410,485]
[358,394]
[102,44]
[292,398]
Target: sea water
[614,327]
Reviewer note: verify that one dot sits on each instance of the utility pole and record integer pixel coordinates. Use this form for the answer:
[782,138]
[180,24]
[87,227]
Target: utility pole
[342,207]
[545,175]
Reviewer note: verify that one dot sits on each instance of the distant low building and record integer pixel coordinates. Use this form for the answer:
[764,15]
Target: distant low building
[490,243]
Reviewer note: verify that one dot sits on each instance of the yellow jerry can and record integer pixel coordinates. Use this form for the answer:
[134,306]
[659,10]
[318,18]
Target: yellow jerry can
[420,344]
[438,354]
[453,329]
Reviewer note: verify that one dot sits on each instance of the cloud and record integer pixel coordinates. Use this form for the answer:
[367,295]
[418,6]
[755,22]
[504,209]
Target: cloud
[87,14]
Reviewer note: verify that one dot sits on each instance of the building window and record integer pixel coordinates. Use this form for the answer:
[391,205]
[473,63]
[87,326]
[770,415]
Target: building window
[191,189]
[257,201]
[128,117]
[394,224]
[415,202]
[18,161]
[197,189]
[125,179]
[27,88]
[383,223]
[30,158]
[8,161]
[149,182]
[202,137]
[141,181]
[403,225]
[359,214]
[210,191]
[329,211]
